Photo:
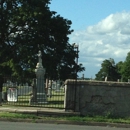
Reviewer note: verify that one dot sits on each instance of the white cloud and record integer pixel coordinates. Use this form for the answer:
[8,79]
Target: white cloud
[109,38]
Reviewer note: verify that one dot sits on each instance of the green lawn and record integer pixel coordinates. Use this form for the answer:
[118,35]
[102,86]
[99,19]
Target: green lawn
[86,119]
[55,101]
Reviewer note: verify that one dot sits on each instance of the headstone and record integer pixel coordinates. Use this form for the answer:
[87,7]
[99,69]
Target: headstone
[40,72]
[10,91]
[128,80]
[53,85]
[105,78]
[26,84]
[46,89]
[83,76]
[58,86]
[49,89]
[12,95]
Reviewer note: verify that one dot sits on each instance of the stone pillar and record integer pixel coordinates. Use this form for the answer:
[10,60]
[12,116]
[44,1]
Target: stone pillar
[40,72]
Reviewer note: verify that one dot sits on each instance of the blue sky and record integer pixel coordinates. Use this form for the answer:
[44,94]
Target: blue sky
[101,29]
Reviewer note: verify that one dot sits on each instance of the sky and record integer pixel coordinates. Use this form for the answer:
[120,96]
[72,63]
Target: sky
[101,30]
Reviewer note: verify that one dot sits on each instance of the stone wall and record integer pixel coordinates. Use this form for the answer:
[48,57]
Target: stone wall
[98,98]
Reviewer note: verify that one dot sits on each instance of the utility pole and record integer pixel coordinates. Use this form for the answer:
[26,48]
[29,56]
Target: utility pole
[76,48]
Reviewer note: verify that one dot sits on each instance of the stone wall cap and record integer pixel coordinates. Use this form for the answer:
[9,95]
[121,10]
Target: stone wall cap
[97,83]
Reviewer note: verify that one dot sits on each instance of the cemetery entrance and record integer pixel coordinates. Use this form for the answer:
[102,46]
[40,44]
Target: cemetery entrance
[24,93]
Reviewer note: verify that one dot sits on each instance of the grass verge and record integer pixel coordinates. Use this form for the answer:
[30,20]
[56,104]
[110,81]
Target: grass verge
[8,115]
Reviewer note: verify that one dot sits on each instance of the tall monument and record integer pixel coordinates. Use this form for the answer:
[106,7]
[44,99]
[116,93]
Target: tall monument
[40,72]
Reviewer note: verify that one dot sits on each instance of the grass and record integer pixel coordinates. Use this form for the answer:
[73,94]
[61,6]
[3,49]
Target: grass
[8,115]
[100,119]
[56,100]
[16,115]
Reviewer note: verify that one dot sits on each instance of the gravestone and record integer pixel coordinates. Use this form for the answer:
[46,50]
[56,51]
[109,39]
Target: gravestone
[53,85]
[128,80]
[12,93]
[57,86]
[105,78]
[40,72]
[50,89]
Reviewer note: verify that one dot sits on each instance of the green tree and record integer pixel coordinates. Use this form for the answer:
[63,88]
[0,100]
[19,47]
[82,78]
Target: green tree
[27,26]
[119,67]
[125,68]
[109,70]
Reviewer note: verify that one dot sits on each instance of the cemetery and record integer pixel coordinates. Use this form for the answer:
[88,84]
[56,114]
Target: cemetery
[36,94]
[22,95]
[89,97]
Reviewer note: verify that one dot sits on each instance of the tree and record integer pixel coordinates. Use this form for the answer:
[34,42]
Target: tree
[125,68]
[109,70]
[27,26]
[119,67]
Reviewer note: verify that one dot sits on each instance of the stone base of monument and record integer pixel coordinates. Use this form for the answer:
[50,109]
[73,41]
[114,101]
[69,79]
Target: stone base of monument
[41,98]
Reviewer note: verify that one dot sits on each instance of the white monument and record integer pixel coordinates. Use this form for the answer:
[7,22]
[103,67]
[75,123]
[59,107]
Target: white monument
[40,72]
[12,95]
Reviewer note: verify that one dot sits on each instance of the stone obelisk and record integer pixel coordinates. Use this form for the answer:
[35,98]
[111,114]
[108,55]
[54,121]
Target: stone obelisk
[40,72]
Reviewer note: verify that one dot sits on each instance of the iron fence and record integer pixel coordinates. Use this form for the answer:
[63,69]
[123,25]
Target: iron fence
[20,93]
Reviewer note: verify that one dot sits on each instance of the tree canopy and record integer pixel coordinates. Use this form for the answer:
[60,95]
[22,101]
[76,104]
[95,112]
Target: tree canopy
[109,70]
[27,26]
[113,71]
[125,68]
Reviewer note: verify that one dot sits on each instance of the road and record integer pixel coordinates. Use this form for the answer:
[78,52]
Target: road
[44,126]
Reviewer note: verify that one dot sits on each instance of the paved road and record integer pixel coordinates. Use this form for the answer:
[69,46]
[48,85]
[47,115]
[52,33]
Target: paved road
[43,126]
